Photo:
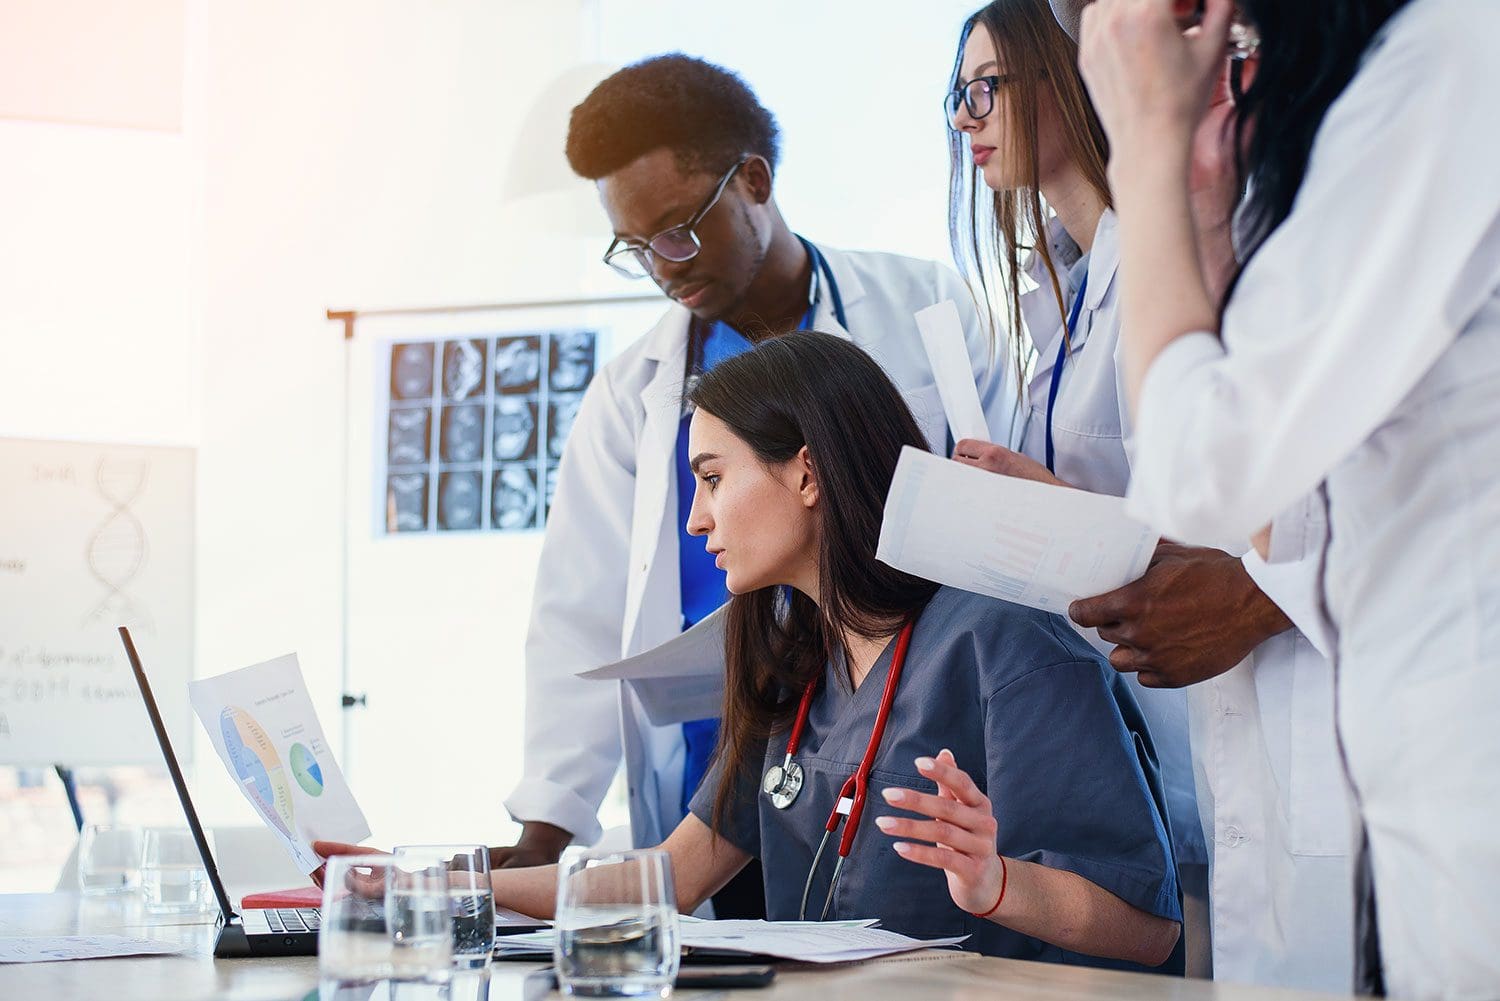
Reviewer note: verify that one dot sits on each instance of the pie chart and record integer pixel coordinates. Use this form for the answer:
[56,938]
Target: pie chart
[306,771]
[259,770]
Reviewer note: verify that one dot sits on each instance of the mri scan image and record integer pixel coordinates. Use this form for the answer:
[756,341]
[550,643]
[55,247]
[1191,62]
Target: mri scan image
[476,427]
[515,429]
[551,488]
[406,502]
[513,499]
[572,357]
[462,434]
[460,501]
[562,411]
[518,364]
[411,371]
[410,432]
[463,369]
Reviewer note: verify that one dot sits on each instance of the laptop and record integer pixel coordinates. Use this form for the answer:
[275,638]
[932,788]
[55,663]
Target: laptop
[291,931]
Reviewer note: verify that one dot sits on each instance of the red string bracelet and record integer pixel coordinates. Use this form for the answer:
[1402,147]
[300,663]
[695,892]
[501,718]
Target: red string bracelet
[1004,878]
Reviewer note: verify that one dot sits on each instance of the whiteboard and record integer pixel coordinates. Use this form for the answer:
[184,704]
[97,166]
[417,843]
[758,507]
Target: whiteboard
[92,536]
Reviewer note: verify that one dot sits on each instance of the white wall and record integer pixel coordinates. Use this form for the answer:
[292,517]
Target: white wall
[96,336]
[172,287]
[350,154]
[857,89]
[354,154]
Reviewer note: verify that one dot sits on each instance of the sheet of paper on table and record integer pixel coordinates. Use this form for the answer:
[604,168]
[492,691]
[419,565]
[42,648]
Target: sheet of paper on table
[262,722]
[507,918]
[1032,543]
[58,948]
[801,941]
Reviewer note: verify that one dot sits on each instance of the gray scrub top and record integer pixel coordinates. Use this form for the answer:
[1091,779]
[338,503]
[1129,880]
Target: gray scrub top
[1044,726]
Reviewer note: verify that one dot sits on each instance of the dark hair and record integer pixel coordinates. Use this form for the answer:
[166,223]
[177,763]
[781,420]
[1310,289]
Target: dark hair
[822,392]
[703,113]
[1309,52]
[990,235]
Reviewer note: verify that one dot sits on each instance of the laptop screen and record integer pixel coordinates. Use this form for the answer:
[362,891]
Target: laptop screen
[225,908]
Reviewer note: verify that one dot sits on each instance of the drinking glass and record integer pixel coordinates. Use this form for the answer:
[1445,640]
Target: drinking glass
[174,879]
[616,924]
[109,859]
[384,918]
[471,900]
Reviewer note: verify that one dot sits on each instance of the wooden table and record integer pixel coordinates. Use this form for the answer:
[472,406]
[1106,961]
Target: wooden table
[197,976]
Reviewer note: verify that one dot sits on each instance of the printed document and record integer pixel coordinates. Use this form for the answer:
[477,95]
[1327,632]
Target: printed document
[943,337]
[802,941]
[57,948]
[680,680]
[1032,543]
[261,721]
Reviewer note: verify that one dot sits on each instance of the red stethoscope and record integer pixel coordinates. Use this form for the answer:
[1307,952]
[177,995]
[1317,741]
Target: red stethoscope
[783,782]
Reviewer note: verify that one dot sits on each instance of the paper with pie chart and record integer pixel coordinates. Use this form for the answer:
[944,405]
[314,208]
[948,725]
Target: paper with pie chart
[262,722]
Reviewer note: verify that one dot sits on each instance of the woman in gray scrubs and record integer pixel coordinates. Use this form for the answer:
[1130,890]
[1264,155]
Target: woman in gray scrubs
[1013,796]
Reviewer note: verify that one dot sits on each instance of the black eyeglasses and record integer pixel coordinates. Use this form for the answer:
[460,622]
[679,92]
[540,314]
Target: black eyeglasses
[978,96]
[632,258]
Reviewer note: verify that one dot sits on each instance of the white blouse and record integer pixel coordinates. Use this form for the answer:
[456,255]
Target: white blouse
[1391,250]
[1361,351]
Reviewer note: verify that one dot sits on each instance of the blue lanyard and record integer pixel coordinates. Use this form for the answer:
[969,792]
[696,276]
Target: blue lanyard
[1057,369]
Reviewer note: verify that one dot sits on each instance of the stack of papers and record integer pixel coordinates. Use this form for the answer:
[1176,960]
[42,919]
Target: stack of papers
[802,941]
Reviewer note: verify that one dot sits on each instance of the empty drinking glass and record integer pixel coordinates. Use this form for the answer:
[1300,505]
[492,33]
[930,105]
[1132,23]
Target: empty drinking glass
[384,918]
[616,924]
[174,879]
[471,899]
[109,859]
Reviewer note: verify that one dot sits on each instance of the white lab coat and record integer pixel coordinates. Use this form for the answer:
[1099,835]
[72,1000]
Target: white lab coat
[1263,765]
[608,586]
[1362,351]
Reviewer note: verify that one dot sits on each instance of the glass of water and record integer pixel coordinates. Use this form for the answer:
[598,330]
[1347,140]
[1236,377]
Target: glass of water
[109,859]
[384,918]
[174,879]
[471,899]
[616,924]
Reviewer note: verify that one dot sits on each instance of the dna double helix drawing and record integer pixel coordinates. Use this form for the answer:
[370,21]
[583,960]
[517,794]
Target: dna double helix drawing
[117,549]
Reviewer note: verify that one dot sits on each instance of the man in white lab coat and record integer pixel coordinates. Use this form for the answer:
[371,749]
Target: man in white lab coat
[684,157]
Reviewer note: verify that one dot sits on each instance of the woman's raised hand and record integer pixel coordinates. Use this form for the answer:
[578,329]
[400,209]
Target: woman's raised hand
[1149,81]
[961,828]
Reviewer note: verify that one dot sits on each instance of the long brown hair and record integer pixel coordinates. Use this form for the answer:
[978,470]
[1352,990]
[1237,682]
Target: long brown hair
[991,235]
[822,392]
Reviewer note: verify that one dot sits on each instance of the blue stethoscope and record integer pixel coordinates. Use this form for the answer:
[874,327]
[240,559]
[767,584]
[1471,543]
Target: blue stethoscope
[821,263]
[1057,368]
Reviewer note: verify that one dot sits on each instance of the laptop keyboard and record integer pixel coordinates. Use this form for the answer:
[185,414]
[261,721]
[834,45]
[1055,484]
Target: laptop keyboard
[291,920]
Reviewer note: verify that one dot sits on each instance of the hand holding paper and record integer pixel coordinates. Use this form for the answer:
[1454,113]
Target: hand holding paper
[1031,543]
